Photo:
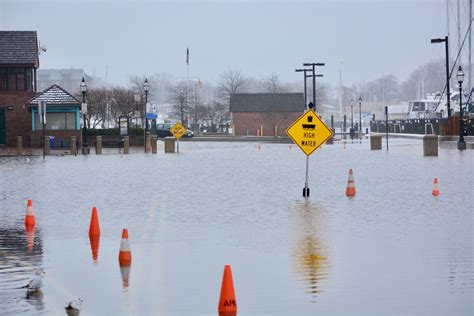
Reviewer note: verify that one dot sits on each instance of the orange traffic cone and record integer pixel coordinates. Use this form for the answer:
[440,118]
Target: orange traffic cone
[227,302]
[30,215]
[125,255]
[350,189]
[94,228]
[435,187]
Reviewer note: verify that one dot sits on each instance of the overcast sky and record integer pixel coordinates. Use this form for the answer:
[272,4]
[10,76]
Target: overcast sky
[371,38]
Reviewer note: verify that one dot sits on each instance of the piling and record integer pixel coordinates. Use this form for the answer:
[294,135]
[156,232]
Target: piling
[19,145]
[72,145]
[126,144]
[375,142]
[147,142]
[98,145]
[170,145]
[430,145]
[47,145]
[154,144]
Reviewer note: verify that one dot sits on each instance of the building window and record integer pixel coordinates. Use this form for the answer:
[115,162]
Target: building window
[16,79]
[57,121]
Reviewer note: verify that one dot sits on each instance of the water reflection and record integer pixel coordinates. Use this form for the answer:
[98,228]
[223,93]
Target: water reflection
[310,255]
[95,241]
[21,251]
[125,272]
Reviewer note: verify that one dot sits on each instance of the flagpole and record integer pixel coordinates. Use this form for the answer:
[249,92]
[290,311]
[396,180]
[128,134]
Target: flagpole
[187,79]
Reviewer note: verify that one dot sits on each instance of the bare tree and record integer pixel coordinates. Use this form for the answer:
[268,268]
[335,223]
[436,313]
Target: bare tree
[230,82]
[179,100]
[272,84]
[122,102]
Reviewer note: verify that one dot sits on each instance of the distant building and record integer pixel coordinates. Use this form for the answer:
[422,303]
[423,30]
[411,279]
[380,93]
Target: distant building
[69,79]
[19,61]
[270,113]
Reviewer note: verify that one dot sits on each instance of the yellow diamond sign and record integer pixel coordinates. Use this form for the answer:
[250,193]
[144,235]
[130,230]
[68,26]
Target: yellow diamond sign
[309,132]
[178,130]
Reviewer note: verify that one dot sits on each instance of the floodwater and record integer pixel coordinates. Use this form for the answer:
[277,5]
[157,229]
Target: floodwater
[394,249]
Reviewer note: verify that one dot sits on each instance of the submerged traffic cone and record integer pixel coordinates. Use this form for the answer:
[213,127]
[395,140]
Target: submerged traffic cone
[125,272]
[125,255]
[30,238]
[94,228]
[350,189]
[30,216]
[227,302]
[435,187]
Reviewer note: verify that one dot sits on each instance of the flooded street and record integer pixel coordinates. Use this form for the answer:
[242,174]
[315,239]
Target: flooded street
[392,249]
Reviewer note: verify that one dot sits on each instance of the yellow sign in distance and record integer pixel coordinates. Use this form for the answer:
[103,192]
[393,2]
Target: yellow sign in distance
[178,130]
[309,132]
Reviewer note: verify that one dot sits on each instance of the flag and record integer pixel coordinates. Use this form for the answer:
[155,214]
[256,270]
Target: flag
[187,55]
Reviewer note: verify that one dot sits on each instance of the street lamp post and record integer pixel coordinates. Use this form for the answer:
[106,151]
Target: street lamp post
[313,65]
[445,40]
[461,142]
[305,89]
[85,145]
[146,87]
[360,119]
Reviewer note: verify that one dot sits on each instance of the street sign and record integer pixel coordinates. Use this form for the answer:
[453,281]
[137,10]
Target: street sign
[178,130]
[151,116]
[309,132]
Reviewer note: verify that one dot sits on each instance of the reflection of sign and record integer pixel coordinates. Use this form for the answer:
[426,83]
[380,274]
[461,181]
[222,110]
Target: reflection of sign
[178,130]
[309,132]
[151,116]
[123,125]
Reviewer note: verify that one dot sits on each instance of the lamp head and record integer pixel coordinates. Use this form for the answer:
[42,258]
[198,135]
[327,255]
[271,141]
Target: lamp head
[83,86]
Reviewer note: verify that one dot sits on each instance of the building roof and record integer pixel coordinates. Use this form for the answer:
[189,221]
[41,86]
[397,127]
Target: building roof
[267,102]
[56,96]
[19,47]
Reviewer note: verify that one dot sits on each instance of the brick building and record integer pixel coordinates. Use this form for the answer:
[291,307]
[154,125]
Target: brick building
[265,114]
[19,61]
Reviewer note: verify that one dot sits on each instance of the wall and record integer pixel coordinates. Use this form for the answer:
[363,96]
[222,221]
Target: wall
[17,120]
[250,122]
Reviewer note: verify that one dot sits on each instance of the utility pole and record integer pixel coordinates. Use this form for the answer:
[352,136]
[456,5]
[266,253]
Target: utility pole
[313,65]
[305,88]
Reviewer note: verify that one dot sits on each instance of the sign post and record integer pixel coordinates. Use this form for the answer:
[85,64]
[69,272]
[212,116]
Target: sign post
[309,132]
[42,119]
[178,130]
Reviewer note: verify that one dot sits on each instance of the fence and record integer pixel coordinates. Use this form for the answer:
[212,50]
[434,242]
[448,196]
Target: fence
[424,126]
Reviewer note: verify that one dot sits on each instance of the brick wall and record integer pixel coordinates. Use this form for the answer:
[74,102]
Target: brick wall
[17,120]
[247,123]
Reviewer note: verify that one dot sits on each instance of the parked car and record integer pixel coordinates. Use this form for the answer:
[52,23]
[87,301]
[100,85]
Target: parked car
[163,130]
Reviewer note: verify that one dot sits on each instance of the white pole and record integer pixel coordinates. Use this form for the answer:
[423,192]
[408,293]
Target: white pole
[459,33]
[470,45]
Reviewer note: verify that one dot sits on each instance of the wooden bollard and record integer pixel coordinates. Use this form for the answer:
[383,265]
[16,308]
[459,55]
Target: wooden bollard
[19,145]
[154,144]
[147,141]
[126,144]
[430,145]
[47,145]
[72,145]
[170,145]
[375,142]
[98,145]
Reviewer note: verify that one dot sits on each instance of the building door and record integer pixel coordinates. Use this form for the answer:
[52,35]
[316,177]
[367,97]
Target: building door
[2,127]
